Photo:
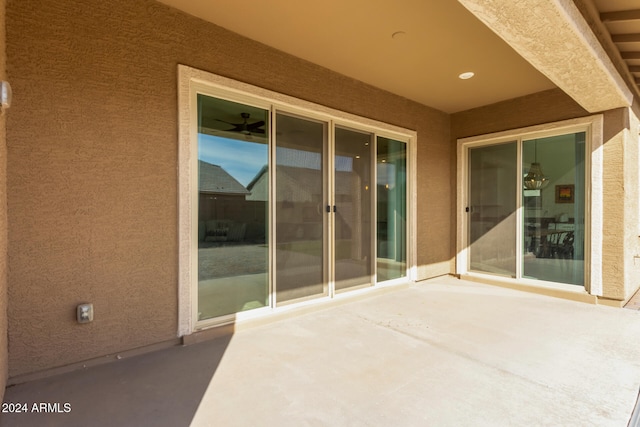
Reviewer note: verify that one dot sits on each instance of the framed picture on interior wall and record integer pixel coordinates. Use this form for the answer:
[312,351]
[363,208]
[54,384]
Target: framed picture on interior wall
[565,193]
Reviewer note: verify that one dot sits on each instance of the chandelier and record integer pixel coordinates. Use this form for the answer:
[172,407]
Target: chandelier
[535,179]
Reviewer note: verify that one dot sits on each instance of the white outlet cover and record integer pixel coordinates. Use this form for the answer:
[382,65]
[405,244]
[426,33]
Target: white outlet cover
[5,94]
[84,313]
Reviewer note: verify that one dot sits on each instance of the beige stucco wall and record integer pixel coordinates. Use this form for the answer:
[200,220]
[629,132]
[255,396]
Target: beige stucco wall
[3,216]
[621,268]
[543,107]
[92,151]
[632,206]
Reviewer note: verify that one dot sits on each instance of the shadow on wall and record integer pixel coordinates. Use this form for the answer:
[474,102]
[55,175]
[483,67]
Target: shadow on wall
[163,388]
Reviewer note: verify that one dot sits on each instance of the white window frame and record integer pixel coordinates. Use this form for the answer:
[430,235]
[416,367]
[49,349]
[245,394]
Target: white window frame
[593,127]
[192,81]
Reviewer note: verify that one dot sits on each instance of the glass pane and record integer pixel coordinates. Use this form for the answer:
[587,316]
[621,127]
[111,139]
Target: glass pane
[232,210]
[492,209]
[300,207]
[353,151]
[391,161]
[554,209]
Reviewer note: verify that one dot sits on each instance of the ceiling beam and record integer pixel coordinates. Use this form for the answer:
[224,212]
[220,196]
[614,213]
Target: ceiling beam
[630,55]
[564,49]
[625,38]
[634,68]
[623,15]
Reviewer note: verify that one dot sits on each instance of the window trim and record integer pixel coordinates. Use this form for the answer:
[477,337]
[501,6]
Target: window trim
[192,81]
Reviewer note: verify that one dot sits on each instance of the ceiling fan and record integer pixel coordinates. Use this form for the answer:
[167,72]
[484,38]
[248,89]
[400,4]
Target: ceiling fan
[245,127]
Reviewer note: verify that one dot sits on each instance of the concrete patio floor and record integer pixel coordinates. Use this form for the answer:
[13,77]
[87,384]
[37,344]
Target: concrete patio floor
[443,352]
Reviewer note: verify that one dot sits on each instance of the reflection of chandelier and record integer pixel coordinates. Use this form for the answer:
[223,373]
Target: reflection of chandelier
[535,179]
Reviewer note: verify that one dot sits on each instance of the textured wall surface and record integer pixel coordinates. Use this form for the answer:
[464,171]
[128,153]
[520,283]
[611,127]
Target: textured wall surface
[3,216]
[620,243]
[613,200]
[92,155]
[543,107]
[632,205]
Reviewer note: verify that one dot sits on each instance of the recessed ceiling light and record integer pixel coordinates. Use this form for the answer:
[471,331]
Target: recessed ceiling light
[398,35]
[467,75]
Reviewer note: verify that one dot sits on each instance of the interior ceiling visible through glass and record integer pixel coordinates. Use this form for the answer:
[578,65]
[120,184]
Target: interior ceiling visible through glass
[232,120]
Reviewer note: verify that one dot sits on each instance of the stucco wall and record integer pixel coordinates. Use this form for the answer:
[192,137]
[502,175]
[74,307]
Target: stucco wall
[632,206]
[92,151]
[620,241]
[3,216]
[543,107]
[620,174]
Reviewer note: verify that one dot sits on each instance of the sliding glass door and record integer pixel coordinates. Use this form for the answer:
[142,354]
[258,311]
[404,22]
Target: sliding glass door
[391,209]
[233,250]
[530,226]
[301,222]
[553,225]
[292,208]
[353,248]
[492,208]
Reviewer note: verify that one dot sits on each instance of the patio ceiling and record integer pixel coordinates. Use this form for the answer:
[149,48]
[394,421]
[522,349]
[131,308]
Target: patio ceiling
[417,49]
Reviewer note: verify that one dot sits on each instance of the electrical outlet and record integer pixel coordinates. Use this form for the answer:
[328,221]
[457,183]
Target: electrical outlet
[5,95]
[84,313]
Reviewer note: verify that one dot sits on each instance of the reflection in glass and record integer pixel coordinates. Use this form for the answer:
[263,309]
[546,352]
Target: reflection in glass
[353,151]
[391,169]
[553,217]
[300,208]
[492,209]
[232,209]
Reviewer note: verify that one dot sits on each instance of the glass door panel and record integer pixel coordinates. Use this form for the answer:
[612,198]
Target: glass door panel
[352,195]
[554,209]
[391,210]
[492,208]
[233,247]
[300,208]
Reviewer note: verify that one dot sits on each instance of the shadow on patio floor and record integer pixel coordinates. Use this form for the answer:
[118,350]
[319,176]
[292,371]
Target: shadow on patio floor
[163,388]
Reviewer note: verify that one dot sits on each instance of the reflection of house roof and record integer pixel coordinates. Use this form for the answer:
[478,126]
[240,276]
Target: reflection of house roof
[214,179]
[292,184]
[257,178]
